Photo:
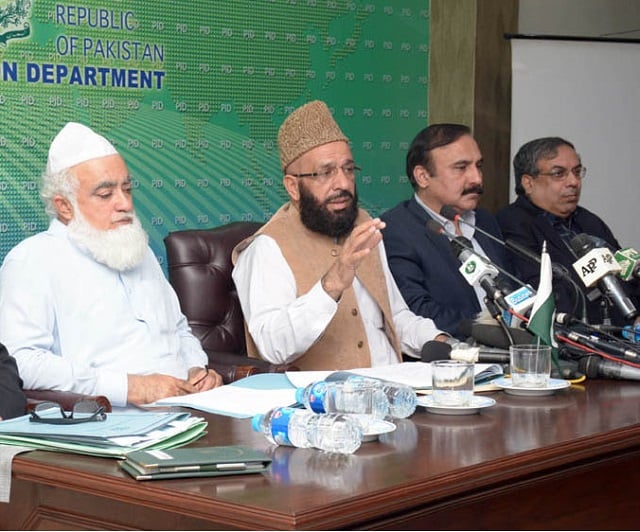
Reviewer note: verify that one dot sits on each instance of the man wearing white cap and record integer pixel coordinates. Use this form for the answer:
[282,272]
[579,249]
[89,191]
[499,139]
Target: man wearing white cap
[85,306]
[313,282]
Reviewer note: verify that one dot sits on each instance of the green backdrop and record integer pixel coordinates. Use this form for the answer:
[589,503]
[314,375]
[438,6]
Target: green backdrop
[192,94]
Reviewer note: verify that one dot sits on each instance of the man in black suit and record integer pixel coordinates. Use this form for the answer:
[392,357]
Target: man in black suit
[12,400]
[444,166]
[548,173]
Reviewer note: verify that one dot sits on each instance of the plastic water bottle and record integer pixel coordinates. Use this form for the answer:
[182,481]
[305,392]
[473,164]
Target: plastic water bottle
[336,433]
[402,398]
[360,398]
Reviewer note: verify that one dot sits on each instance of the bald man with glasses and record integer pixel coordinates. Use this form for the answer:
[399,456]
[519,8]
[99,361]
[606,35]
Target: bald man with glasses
[549,174]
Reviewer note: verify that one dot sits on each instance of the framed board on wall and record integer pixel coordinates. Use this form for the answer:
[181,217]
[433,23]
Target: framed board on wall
[586,91]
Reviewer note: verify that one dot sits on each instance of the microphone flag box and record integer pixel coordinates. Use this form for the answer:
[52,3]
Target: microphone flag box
[627,258]
[473,269]
[520,301]
[594,265]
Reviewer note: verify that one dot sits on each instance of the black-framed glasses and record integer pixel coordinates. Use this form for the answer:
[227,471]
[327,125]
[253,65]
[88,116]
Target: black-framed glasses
[54,414]
[349,169]
[560,174]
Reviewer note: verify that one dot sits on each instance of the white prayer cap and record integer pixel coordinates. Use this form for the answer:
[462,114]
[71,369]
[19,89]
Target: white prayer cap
[75,144]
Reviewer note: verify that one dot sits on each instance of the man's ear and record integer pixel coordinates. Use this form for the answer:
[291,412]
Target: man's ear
[526,181]
[291,186]
[422,176]
[63,208]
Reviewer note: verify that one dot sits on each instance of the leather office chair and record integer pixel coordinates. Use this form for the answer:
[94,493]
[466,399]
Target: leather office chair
[199,264]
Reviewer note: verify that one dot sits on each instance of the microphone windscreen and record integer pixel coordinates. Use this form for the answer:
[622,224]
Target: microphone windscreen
[464,328]
[434,350]
[581,244]
[494,335]
[449,212]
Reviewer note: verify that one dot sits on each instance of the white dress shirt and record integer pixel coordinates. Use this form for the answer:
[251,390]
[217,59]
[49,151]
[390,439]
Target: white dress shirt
[284,326]
[74,324]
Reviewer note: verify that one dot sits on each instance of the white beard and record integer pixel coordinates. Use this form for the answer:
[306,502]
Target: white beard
[121,249]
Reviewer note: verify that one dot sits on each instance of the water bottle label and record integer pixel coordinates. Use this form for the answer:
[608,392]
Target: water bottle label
[280,425]
[317,394]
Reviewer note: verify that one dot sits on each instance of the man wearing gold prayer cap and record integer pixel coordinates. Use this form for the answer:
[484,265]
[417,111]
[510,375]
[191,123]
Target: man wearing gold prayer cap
[313,282]
[84,305]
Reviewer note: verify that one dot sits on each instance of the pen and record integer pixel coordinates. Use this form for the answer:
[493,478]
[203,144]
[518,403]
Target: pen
[202,377]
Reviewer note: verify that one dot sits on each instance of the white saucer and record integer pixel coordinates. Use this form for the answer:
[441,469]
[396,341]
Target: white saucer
[553,385]
[477,403]
[377,428]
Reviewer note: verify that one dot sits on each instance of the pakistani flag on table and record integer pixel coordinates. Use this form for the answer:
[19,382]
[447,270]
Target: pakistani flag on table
[544,307]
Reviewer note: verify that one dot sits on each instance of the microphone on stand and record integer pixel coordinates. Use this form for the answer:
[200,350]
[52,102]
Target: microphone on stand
[436,227]
[629,261]
[558,270]
[597,266]
[476,271]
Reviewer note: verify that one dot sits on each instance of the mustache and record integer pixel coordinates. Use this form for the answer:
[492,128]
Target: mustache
[128,217]
[473,189]
[339,195]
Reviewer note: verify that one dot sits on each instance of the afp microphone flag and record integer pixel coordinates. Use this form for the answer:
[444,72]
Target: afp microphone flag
[544,306]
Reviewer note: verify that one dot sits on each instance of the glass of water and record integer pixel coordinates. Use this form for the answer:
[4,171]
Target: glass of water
[452,382]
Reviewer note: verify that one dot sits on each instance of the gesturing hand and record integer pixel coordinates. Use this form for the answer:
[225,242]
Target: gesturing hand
[356,247]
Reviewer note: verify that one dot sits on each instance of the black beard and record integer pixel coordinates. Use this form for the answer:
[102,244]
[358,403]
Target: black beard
[316,217]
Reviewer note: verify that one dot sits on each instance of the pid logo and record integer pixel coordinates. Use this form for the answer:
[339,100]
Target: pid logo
[470,267]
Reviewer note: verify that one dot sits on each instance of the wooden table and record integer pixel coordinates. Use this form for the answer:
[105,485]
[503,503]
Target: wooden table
[567,461]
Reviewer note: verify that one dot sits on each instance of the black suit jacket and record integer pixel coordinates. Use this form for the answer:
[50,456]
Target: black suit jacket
[12,400]
[526,224]
[426,270]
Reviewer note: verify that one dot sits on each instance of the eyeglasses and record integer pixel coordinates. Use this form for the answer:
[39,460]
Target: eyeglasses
[350,170]
[54,414]
[561,174]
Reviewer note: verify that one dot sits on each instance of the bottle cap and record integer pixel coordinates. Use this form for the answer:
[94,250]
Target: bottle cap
[256,422]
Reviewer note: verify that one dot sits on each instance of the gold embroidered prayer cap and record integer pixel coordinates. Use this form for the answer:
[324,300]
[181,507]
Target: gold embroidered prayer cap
[308,127]
[75,144]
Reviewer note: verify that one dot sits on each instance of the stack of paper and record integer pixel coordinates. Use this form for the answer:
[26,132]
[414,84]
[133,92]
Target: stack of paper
[115,437]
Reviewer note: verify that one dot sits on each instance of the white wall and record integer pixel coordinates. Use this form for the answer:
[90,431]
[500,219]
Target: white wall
[588,93]
[584,18]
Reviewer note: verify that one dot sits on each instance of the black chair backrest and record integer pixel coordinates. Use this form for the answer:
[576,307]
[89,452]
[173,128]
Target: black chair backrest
[199,264]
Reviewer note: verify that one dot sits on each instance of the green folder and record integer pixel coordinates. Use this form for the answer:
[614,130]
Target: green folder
[155,464]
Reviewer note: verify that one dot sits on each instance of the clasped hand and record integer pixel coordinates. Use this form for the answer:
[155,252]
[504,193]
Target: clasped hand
[144,389]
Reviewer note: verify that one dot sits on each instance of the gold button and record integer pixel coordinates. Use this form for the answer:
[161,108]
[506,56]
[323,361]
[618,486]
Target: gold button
[360,344]
[354,311]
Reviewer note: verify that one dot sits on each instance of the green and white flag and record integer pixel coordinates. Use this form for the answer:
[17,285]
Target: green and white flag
[544,306]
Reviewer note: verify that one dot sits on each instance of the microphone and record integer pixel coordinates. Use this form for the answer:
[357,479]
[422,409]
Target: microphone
[439,229]
[596,265]
[592,341]
[431,351]
[594,367]
[494,335]
[629,261]
[557,270]
[450,213]
[476,271]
